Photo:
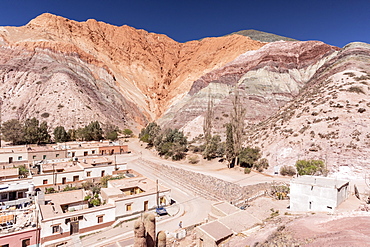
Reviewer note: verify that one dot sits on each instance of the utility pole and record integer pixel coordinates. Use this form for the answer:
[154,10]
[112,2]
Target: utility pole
[1,133]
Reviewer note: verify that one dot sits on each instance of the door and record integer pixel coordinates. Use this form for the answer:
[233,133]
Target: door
[10,159]
[74,227]
[12,195]
[146,205]
[64,180]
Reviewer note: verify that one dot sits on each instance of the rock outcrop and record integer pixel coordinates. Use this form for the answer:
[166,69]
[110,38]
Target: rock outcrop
[328,120]
[269,78]
[121,71]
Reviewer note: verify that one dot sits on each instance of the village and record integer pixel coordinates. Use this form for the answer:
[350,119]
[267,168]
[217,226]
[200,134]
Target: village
[73,194]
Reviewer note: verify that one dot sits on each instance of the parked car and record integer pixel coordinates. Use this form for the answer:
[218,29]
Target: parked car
[161,210]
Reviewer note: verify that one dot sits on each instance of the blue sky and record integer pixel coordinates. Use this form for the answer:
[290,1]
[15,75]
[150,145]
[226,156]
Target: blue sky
[336,22]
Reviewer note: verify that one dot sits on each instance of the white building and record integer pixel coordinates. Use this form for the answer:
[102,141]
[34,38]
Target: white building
[313,193]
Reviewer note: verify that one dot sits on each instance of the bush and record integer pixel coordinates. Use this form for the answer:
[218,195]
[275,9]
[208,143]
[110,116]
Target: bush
[45,115]
[261,165]
[194,159]
[311,167]
[287,170]
[247,170]
[248,156]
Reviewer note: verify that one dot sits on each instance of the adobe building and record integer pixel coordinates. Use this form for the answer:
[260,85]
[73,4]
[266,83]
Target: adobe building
[320,194]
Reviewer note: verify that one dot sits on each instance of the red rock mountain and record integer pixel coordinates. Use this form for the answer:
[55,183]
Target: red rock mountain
[70,72]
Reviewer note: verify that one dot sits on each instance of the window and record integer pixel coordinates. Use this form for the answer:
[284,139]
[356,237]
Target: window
[34,157]
[4,196]
[45,181]
[100,218]
[4,245]
[19,157]
[92,151]
[26,242]
[75,178]
[55,229]
[20,194]
[64,180]
[44,157]
[85,153]
[56,155]
[102,173]
[129,207]
[88,174]
[162,200]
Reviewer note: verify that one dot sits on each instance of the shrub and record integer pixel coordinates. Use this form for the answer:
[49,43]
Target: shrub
[287,170]
[355,89]
[247,170]
[194,159]
[45,115]
[311,167]
[261,164]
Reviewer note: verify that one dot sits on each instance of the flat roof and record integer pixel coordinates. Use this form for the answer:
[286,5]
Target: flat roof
[13,149]
[66,166]
[320,181]
[8,172]
[93,161]
[225,207]
[239,221]
[216,230]
[66,197]
[143,183]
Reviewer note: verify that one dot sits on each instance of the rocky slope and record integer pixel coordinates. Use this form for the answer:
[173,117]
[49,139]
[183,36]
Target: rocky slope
[268,78]
[328,120]
[263,36]
[72,72]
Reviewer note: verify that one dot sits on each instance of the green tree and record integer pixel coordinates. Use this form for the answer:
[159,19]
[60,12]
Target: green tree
[214,148]
[207,124]
[229,145]
[12,131]
[60,134]
[93,131]
[23,171]
[128,133]
[150,133]
[31,130]
[43,133]
[111,132]
[35,133]
[311,167]
[235,129]
[171,143]
[72,134]
[248,156]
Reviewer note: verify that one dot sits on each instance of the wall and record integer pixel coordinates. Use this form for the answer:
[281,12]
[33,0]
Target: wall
[109,150]
[323,199]
[88,223]
[79,152]
[4,157]
[38,179]
[50,155]
[137,203]
[15,239]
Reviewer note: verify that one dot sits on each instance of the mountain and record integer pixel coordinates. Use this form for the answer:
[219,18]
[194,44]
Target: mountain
[327,120]
[263,36]
[69,73]
[268,79]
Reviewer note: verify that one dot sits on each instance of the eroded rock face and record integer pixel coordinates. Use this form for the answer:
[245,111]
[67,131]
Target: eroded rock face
[328,120]
[121,67]
[269,78]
